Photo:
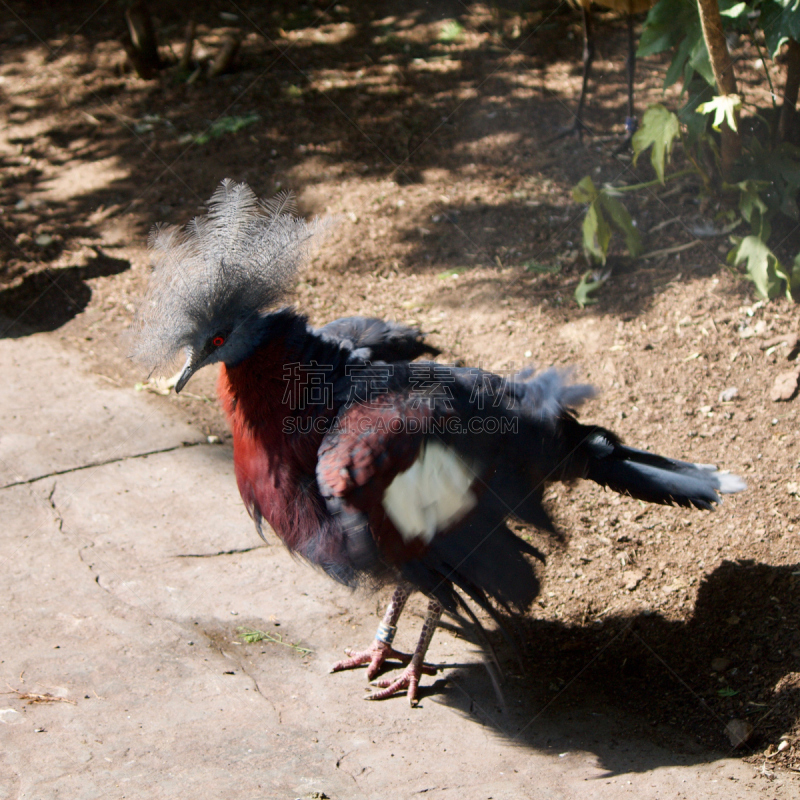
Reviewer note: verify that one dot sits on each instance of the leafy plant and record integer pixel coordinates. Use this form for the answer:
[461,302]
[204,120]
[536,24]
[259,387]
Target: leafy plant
[590,282]
[225,125]
[253,635]
[451,31]
[605,212]
[780,21]
[762,179]
[537,266]
[660,128]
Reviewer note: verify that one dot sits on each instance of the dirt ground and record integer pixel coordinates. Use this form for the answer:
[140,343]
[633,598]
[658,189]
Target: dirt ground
[453,214]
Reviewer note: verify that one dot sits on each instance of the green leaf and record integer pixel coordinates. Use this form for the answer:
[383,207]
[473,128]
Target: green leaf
[695,124]
[700,61]
[622,220]
[660,127]
[750,198]
[790,274]
[590,282]
[779,20]
[585,191]
[735,11]
[775,175]
[596,234]
[724,108]
[726,691]
[681,58]
[763,267]
[451,31]
[225,125]
[666,25]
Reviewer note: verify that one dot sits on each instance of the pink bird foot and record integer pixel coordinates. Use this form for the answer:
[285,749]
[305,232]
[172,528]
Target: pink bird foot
[374,655]
[409,679]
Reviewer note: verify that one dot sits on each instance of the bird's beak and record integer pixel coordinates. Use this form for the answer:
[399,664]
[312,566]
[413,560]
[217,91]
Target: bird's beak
[192,363]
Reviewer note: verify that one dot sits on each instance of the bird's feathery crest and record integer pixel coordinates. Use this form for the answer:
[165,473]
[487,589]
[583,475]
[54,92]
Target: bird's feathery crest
[237,260]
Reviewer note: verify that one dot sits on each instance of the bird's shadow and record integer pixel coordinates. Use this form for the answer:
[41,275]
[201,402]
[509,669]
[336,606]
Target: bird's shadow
[672,685]
[47,299]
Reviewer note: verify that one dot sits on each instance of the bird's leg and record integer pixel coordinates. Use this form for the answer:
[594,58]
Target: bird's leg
[630,64]
[577,126]
[409,679]
[588,59]
[381,648]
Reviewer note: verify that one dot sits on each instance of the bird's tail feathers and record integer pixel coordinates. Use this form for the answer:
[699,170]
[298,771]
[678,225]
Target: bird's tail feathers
[653,478]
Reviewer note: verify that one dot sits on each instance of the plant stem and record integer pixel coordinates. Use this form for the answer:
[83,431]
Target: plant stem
[634,187]
[763,58]
[703,174]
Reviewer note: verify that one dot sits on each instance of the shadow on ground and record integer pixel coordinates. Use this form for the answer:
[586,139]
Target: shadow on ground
[340,93]
[704,672]
[46,300]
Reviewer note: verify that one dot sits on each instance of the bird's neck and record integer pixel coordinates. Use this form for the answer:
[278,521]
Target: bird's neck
[290,375]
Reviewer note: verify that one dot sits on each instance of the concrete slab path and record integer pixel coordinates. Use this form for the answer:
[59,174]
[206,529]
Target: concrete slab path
[129,566]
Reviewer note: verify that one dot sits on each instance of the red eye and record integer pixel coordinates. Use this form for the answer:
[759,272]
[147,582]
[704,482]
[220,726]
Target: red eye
[218,341]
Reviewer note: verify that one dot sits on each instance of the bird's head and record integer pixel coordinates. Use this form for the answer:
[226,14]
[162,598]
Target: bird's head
[214,280]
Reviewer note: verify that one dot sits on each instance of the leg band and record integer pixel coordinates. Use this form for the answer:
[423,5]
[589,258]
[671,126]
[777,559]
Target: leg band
[386,633]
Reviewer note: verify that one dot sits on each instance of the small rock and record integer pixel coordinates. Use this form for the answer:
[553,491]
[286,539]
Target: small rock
[793,488]
[213,439]
[783,745]
[44,240]
[785,386]
[728,395]
[720,664]
[738,731]
[791,340]
[632,578]
[10,716]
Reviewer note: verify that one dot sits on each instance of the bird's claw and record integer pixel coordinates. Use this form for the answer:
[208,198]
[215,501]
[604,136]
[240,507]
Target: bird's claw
[374,655]
[409,679]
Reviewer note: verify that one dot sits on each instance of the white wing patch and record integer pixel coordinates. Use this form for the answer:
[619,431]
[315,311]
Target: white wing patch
[431,494]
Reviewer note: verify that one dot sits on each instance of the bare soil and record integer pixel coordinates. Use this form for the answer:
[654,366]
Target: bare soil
[432,156]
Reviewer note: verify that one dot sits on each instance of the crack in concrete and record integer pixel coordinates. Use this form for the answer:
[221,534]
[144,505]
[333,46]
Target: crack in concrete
[233,552]
[258,688]
[93,464]
[59,518]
